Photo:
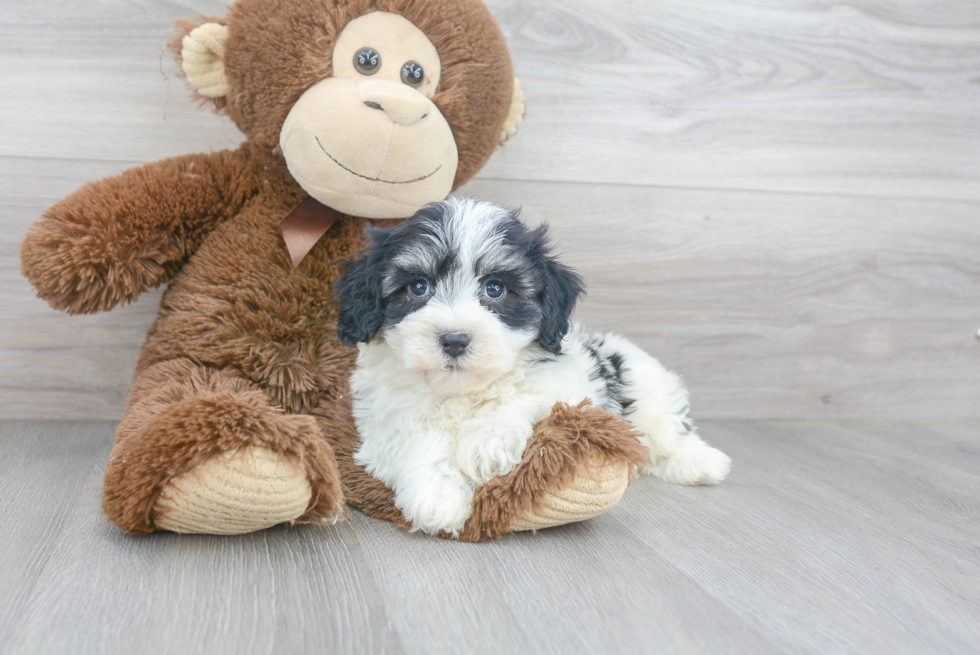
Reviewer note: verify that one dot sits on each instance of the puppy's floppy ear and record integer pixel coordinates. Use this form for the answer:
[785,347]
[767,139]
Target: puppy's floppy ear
[561,290]
[359,293]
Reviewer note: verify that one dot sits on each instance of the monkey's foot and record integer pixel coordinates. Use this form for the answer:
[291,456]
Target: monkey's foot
[576,466]
[219,461]
[234,493]
[595,488]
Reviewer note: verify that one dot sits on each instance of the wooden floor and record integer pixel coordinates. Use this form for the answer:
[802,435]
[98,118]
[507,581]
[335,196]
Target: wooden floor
[853,537]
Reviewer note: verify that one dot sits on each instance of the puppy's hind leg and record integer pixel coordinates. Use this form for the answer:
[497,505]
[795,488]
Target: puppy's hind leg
[656,402]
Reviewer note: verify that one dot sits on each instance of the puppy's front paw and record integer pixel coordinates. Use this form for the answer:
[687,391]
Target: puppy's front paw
[694,463]
[442,502]
[492,446]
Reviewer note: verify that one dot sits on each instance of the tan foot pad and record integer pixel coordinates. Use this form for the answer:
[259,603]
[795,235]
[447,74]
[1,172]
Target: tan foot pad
[234,493]
[593,491]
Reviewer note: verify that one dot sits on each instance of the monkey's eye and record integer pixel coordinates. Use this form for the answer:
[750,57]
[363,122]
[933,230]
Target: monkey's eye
[412,74]
[418,288]
[494,289]
[367,61]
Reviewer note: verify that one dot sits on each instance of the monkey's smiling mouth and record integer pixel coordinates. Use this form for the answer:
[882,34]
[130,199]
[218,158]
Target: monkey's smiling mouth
[373,179]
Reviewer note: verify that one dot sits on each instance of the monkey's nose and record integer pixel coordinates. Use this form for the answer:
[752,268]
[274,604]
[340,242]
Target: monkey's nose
[454,344]
[402,104]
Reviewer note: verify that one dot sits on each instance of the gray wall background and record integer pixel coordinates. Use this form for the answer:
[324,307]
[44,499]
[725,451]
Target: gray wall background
[777,199]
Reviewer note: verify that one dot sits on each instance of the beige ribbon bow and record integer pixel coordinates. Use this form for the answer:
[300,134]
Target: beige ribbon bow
[304,225]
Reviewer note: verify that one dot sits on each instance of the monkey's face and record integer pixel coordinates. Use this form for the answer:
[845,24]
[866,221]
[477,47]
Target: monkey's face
[369,141]
[377,107]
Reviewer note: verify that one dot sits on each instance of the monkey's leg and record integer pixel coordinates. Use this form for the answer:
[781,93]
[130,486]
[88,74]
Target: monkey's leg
[203,451]
[577,465]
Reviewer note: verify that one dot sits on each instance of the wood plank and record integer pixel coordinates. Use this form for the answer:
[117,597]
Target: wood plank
[779,305]
[770,305]
[865,98]
[282,590]
[361,586]
[823,535]
[41,480]
[827,537]
[588,587]
[84,80]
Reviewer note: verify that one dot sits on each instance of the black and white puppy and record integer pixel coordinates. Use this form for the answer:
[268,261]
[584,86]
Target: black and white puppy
[462,318]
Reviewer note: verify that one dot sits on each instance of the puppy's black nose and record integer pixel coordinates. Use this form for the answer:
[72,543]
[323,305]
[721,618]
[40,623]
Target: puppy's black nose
[454,345]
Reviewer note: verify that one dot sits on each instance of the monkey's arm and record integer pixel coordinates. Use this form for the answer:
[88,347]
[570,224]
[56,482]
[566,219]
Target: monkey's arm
[114,239]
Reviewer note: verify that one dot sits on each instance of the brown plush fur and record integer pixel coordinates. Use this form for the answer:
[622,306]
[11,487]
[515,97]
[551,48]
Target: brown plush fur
[112,240]
[244,351]
[561,444]
[180,415]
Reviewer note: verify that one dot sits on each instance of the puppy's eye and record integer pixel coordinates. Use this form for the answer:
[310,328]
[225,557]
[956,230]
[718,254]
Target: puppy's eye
[367,61]
[494,289]
[412,74]
[418,288]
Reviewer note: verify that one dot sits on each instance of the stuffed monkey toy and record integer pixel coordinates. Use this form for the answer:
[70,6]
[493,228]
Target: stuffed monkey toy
[239,414]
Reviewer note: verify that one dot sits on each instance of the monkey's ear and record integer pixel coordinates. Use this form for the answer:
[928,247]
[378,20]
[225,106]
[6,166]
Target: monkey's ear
[202,55]
[516,115]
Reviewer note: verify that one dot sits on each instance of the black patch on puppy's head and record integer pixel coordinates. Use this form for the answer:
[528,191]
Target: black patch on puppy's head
[547,290]
[369,290]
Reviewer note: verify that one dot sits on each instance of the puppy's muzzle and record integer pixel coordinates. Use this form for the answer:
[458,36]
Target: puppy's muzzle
[454,344]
